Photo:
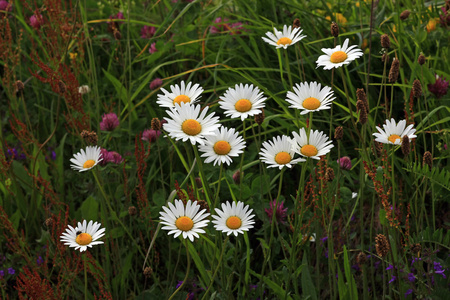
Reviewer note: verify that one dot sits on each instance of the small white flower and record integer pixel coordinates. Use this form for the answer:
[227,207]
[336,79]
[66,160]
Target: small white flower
[242,101]
[83,235]
[309,97]
[284,39]
[354,195]
[84,89]
[315,146]
[187,221]
[393,133]
[339,56]
[185,94]
[188,123]
[279,153]
[233,218]
[220,147]
[85,160]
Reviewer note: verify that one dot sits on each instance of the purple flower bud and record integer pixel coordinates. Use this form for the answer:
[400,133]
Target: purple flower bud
[11,271]
[345,163]
[152,48]
[411,277]
[109,122]
[2,273]
[150,135]
[39,260]
[156,83]
[36,21]
[408,292]
[439,88]
[5,5]
[280,213]
[147,32]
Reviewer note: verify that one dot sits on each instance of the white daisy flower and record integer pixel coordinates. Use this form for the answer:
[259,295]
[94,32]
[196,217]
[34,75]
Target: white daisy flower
[85,160]
[242,101]
[339,56]
[315,146]
[188,123]
[233,218]
[83,235]
[220,147]
[184,220]
[393,133]
[284,39]
[311,238]
[279,153]
[186,94]
[309,97]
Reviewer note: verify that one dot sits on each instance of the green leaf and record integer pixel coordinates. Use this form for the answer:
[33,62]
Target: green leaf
[350,280]
[278,290]
[89,209]
[307,284]
[382,216]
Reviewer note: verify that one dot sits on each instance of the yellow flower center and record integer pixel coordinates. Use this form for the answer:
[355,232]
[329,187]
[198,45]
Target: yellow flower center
[184,223]
[338,57]
[243,105]
[282,158]
[181,98]
[89,164]
[191,127]
[311,103]
[309,150]
[393,137]
[83,239]
[234,222]
[222,147]
[284,41]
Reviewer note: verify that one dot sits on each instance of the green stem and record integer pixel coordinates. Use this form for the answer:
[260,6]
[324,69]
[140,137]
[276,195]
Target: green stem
[218,185]
[187,271]
[217,268]
[205,183]
[85,277]
[288,68]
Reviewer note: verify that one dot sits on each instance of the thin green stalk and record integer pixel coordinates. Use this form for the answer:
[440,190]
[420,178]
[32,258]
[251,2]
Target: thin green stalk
[85,277]
[348,102]
[205,183]
[241,165]
[288,68]
[187,271]
[217,269]
[218,185]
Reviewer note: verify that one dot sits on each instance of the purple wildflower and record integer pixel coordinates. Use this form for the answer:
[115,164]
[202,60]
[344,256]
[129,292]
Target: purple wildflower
[36,20]
[2,273]
[408,292]
[345,163]
[445,17]
[5,5]
[147,32]
[438,269]
[222,26]
[411,277]
[156,83]
[110,157]
[11,271]
[152,48]
[280,213]
[150,135]
[16,154]
[109,122]
[440,87]
[390,267]
[39,260]
[392,279]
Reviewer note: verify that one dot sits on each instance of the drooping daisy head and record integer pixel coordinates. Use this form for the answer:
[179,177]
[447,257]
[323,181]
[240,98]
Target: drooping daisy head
[220,147]
[339,56]
[309,97]
[285,38]
[314,146]
[83,236]
[279,153]
[185,93]
[242,101]
[85,160]
[233,218]
[393,133]
[188,123]
[186,220]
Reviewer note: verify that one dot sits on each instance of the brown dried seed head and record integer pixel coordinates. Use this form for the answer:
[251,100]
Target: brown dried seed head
[385,41]
[329,174]
[296,23]
[90,137]
[49,222]
[132,210]
[259,118]
[404,15]
[428,159]
[203,205]
[381,245]
[393,72]
[417,88]
[19,86]
[361,258]
[338,133]
[406,146]
[422,59]
[361,108]
[237,177]
[416,248]
[148,272]
[61,87]
[156,124]
[361,95]
[117,34]
[334,29]
[198,182]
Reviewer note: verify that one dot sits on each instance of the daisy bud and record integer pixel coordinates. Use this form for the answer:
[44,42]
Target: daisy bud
[404,15]
[237,177]
[296,23]
[381,245]
[385,41]
[132,210]
[362,111]
[148,272]
[338,133]
[361,258]
[334,29]
[259,118]
[417,88]
[329,174]
[90,137]
[156,124]
[421,60]
[428,159]
[62,87]
[406,147]
[385,58]
[19,86]
[393,72]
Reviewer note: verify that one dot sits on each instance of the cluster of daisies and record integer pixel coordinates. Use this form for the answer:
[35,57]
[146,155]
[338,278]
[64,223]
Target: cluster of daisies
[218,144]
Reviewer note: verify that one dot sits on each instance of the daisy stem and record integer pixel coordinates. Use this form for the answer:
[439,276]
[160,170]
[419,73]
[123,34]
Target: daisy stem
[205,184]
[280,63]
[242,163]
[348,103]
[392,179]
[288,68]
[217,268]
[85,276]
[218,185]
[187,271]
